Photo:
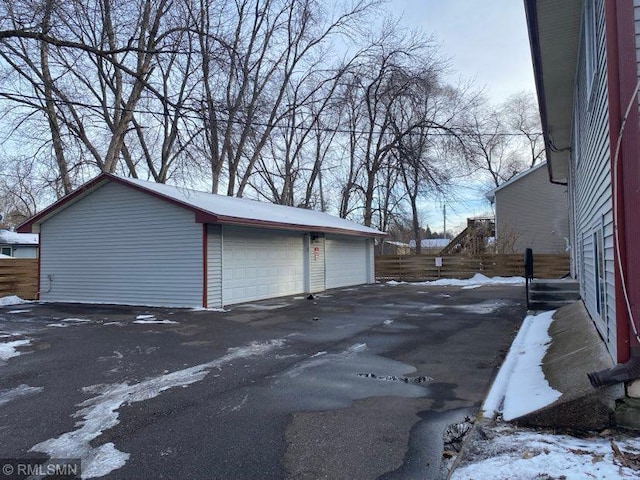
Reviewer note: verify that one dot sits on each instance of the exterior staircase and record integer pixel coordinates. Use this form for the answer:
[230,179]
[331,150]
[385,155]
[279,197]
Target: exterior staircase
[552,294]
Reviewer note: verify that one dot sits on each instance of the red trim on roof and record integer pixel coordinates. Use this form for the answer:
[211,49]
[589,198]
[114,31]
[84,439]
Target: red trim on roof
[248,222]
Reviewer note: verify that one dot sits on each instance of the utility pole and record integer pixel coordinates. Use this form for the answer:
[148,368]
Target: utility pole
[444,215]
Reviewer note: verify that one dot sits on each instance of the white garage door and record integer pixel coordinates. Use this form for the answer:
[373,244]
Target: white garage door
[260,264]
[346,260]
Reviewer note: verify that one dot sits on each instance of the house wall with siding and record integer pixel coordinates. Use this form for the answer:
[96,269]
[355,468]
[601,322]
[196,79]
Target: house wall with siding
[533,213]
[591,182]
[316,263]
[214,266]
[119,245]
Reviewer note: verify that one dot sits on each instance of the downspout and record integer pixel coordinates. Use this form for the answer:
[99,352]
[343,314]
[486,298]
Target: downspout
[620,87]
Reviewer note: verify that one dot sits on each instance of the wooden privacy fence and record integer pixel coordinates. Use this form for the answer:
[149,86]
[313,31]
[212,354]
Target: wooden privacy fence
[19,276]
[423,267]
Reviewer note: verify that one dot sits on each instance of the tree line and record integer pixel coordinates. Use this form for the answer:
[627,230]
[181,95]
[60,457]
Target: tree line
[310,103]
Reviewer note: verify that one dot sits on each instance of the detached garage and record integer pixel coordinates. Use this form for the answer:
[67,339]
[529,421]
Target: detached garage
[127,241]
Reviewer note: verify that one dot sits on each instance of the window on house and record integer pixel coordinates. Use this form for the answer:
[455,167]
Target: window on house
[6,251]
[590,43]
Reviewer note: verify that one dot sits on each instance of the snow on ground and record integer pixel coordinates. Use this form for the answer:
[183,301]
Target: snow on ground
[478,280]
[145,317]
[520,386]
[147,322]
[9,349]
[518,454]
[100,412]
[12,300]
[21,390]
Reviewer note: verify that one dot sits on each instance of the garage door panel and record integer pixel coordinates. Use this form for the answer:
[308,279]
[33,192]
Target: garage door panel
[261,264]
[346,261]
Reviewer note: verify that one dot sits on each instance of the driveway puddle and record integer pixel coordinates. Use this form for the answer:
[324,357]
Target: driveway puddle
[335,380]
[394,378]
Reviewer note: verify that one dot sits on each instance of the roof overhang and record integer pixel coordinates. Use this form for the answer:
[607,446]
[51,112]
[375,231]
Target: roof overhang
[554,34]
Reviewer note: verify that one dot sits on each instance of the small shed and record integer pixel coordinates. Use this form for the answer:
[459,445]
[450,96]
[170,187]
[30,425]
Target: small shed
[127,241]
[531,213]
[18,245]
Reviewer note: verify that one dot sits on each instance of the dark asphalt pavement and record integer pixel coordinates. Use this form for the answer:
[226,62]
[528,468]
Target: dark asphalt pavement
[359,383]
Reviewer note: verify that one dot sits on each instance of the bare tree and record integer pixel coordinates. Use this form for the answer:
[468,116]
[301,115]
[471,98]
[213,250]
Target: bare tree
[522,117]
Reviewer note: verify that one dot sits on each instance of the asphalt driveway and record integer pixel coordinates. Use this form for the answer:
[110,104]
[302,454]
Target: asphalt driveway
[358,383]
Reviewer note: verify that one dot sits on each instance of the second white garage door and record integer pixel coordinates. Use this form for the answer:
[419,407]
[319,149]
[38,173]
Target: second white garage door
[259,264]
[347,261]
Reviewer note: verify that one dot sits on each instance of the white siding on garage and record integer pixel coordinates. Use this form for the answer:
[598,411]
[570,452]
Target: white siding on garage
[214,266]
[347,261]
[122,246]
[260,263]
[591,182]
[316,264]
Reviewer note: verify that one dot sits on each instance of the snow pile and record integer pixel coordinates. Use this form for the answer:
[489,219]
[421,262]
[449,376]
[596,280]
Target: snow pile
[478,280]
[520,386]
[9,349]
[12,300]
[100,412]
[527,454]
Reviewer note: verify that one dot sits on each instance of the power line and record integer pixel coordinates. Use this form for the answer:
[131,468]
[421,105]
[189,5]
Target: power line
[190,114]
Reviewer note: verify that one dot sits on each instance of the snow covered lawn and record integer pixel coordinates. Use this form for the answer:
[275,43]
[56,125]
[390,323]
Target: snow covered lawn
[510,453]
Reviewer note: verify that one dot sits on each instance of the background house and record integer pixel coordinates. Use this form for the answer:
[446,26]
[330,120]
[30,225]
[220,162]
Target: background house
[391,247]
[585,60]
[127,241]
[18,245]
[431,246]
[531,212]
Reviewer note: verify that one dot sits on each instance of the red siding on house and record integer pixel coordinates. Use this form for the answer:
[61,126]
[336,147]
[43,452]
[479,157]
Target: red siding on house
[622,65]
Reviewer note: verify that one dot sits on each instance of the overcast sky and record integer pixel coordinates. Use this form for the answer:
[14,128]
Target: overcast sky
[485,41]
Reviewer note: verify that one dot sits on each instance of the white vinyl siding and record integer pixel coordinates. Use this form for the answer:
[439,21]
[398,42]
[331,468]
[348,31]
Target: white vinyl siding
[347,261]
[532,213]
[214,266]
[260,263]
[316,264]
[122,246]
[591,185]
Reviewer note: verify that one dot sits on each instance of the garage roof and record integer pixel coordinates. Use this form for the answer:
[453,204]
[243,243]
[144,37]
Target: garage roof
[12,238]
[211,208]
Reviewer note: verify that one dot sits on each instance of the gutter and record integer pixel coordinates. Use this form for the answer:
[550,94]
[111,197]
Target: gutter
[530,8]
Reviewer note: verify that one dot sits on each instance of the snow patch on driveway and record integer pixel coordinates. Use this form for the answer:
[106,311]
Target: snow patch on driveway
[21,390]
[147,322]
[100,413]
[10,349]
